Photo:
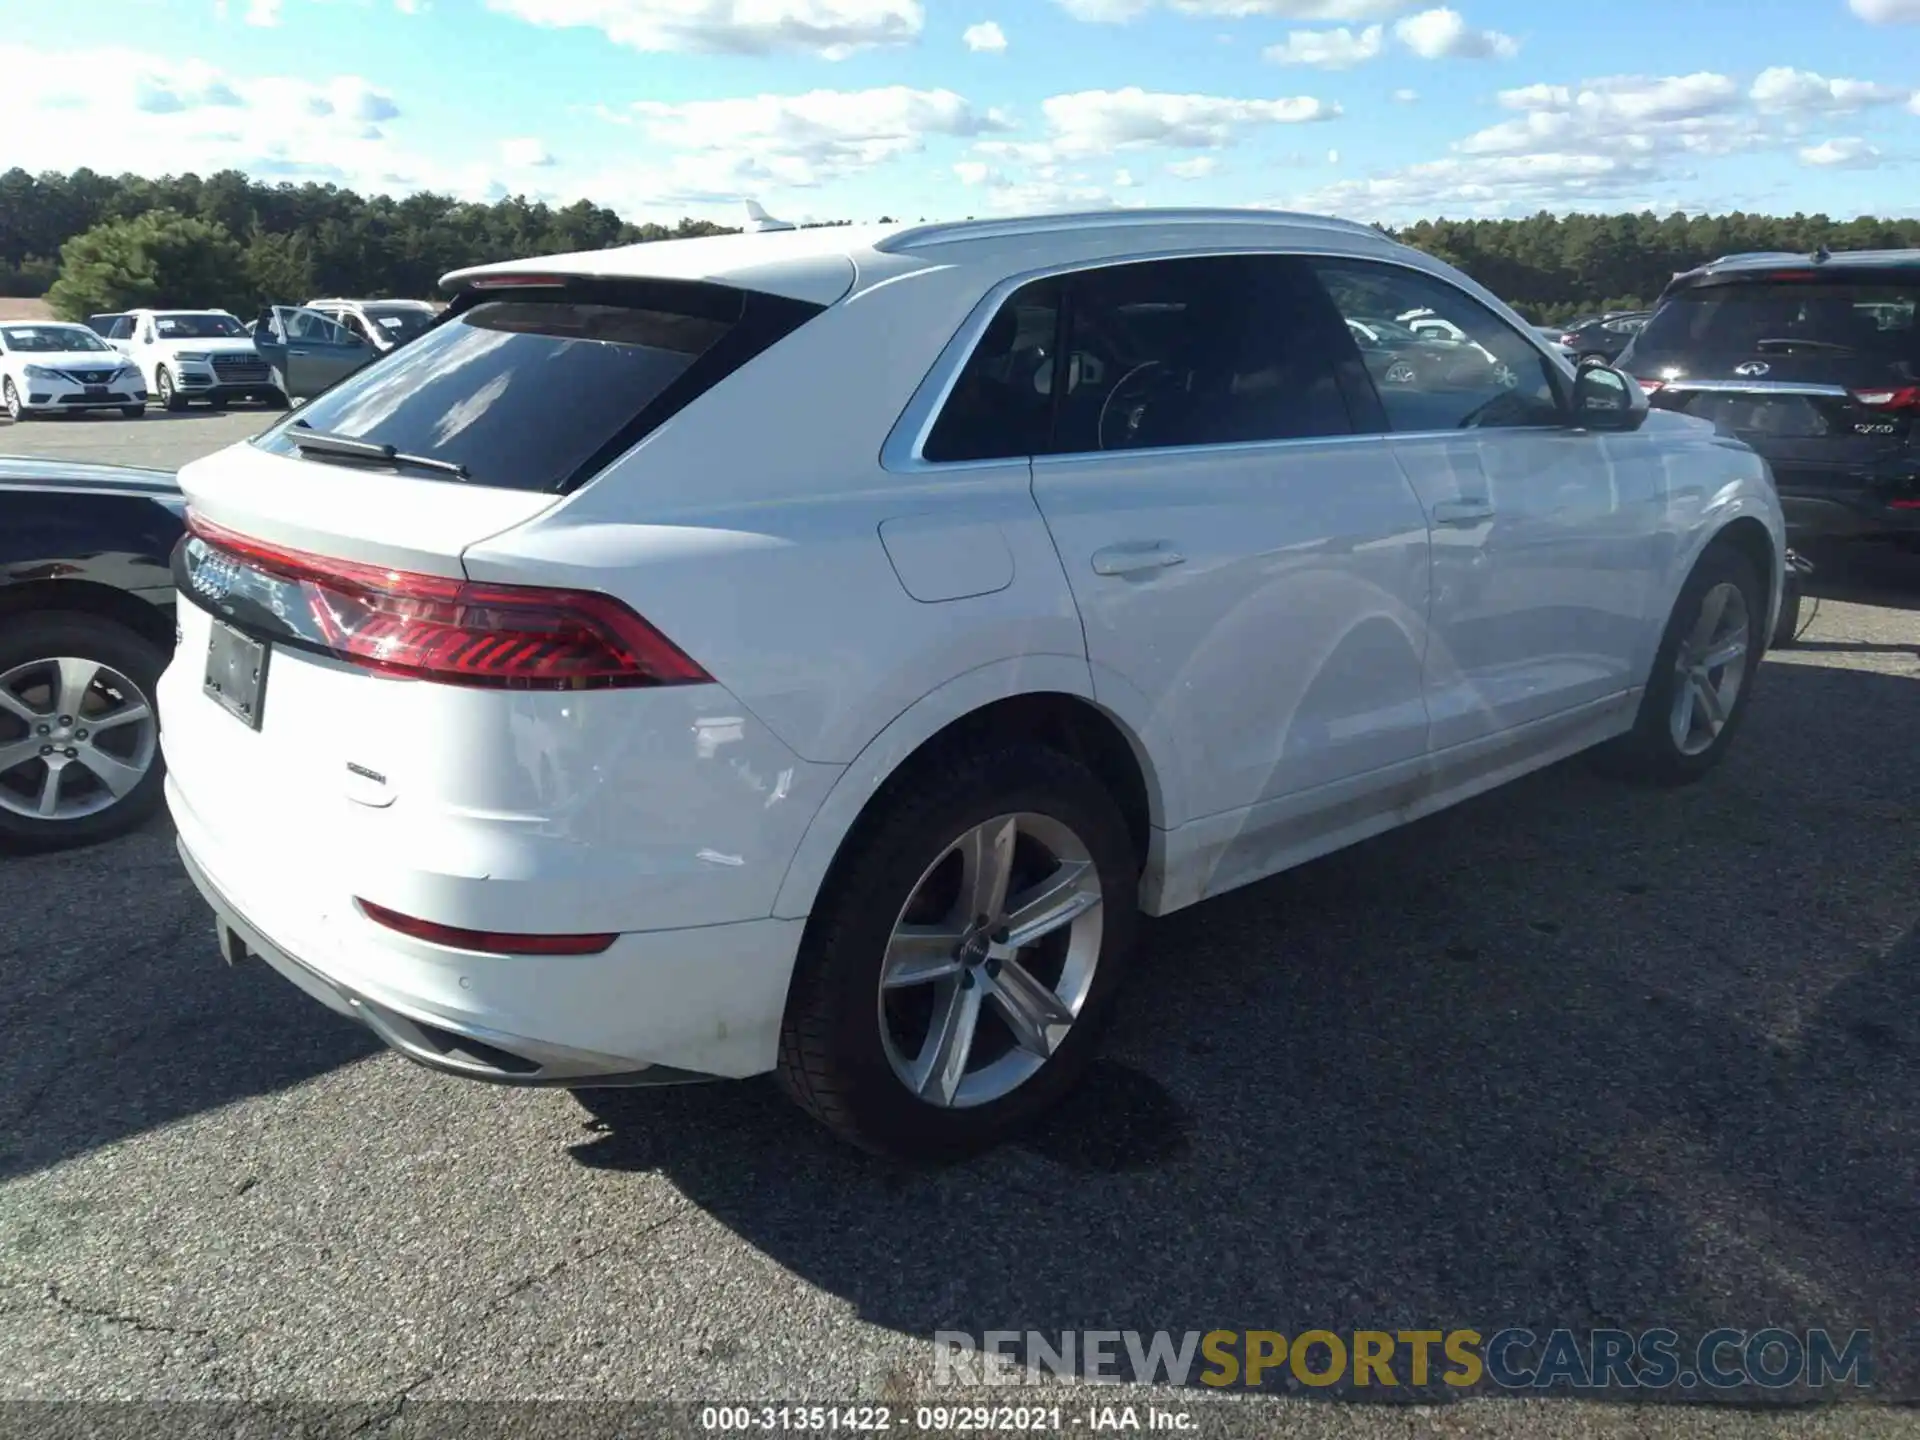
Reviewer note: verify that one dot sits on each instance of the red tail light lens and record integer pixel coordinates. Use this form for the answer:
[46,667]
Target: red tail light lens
[1648,385]
[1906,397]
[457,632]
[492,942]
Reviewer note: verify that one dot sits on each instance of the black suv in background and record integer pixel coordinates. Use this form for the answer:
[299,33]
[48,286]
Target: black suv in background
[1814,360]
[1603,337]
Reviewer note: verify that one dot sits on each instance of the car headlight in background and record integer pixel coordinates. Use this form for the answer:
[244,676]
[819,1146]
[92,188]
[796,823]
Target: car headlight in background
[191,357]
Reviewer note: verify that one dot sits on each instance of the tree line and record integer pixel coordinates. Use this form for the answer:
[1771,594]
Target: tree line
[92,242]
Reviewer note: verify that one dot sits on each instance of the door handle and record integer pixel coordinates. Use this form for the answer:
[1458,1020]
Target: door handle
[1135,557]
[296,352]
[1464,512]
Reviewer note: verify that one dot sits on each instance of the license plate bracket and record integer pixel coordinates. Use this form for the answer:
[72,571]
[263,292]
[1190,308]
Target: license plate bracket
[96,392]
[236,673]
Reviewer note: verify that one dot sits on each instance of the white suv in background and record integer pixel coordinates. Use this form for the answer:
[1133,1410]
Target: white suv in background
[383,324]
[811,651]
[187,355]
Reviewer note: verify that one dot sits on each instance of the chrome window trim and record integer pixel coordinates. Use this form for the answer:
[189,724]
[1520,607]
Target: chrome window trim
[901,453]
[1751,387]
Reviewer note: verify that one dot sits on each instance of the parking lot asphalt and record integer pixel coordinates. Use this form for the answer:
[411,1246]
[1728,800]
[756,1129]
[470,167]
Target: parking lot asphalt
[1569,1055]
[163,439]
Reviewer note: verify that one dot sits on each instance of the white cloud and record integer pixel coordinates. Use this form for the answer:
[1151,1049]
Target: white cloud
[1406,97]
[1093,121]
[1198,168]
[1333,157]
[833,29]
[1445,35]
[986,36]
[168,116]
[1785,89]
[1503,186]
[1620,115]
[1117,12]
[263,13]
[525,153]
[974,172]
[1847,152]
[729,148]
[1123,180]
[1328,49]
[1887,12]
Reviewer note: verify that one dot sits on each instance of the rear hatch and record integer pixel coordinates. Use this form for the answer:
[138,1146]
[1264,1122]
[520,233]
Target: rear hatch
[323,573]
[1817,367]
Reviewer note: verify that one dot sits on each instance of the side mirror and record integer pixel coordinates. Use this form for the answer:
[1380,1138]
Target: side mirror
[1608,399]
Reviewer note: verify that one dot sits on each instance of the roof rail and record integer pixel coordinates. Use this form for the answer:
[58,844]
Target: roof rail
[920,237]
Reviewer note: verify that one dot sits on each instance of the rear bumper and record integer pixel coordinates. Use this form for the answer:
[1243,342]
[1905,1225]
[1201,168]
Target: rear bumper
[1848,514]
[658,1007]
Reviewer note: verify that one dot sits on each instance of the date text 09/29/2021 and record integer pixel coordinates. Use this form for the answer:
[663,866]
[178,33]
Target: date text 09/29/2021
[958,1419]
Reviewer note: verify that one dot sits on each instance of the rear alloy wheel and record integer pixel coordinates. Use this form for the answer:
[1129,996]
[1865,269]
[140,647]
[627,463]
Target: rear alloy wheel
[1702,677]
[956,975]
[16,411]
[79,734]
[170,398]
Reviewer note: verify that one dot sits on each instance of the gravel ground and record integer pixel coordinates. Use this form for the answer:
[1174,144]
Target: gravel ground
[1569,1055]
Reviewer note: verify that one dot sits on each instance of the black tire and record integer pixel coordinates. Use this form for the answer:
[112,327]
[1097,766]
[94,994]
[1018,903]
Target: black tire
[277,400]
[1648,753]
[134,412]
[1786,630]
[48,634]
[216,402]
[832,1057]
[170,398]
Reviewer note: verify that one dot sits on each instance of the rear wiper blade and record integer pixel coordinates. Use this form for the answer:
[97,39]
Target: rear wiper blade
[349,448]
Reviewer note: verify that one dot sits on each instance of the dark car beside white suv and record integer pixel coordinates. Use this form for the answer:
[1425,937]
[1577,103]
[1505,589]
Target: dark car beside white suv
[1814,361]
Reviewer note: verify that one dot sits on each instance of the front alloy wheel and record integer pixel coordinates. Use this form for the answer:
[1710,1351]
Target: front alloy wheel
[15,410]
[991,961]
[1709,669]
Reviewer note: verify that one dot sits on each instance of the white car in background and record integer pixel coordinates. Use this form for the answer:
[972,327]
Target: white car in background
[49,367]
[811,651]
[187,355]
[383,324]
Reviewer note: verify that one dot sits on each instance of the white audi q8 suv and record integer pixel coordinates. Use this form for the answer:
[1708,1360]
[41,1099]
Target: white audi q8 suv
[810,651]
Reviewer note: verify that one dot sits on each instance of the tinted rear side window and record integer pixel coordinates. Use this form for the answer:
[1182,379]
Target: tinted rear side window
[1869,317]
[540,389]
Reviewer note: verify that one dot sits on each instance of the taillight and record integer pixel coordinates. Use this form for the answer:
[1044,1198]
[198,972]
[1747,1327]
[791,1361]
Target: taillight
[458,632]
[494,942]
[1569,339]
[1648,385]
[1906,397]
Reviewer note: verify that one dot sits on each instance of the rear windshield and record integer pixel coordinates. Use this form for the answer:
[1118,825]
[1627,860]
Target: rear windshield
[540,390]
[1836,317]
[401,322]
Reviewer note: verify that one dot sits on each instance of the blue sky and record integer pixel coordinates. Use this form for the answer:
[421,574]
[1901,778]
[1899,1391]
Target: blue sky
[851,109]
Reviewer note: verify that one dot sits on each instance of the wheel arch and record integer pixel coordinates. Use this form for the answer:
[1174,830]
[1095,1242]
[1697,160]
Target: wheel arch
[151,622]
[1047,698]
[1748,535]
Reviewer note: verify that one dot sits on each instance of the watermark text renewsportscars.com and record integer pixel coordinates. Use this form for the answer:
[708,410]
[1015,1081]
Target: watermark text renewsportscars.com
[1514,1358]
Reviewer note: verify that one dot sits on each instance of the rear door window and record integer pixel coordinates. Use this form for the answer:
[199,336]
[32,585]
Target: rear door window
[1210,350]
[539,389]
[1787,317]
